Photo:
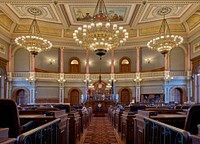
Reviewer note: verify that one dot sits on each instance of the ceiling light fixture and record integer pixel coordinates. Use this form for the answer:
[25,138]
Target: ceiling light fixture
[165,41]
[33,41]
[100,35]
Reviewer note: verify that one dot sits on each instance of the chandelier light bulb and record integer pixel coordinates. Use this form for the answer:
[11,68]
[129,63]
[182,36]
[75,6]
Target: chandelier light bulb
[165,42]
[33,42]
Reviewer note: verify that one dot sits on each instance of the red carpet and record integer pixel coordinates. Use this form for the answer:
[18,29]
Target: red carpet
[100,131]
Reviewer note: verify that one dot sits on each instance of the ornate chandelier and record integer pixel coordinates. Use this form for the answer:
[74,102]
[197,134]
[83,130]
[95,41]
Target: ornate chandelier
[33,42]
[100,35]
[166,41]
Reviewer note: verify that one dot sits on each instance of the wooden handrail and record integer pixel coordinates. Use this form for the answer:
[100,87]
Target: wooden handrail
[47,133]
[156,132]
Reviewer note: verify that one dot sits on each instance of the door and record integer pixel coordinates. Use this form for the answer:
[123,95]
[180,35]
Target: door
[125,96]
[74,97]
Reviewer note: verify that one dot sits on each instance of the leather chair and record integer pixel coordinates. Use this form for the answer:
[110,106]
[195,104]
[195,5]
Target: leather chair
[63,107]
[9,118]
[192,119]
[185,106]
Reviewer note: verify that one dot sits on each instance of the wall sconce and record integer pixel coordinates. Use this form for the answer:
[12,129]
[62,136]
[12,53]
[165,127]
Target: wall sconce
[61,80]
[137,79]
[168,78]
[87,80]
[148,60]
[91,86]
[51,61]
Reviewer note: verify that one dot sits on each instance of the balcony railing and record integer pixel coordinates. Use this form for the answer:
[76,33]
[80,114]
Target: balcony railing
[78,77]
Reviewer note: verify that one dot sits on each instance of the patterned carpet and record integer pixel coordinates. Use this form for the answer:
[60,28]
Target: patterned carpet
[100,131]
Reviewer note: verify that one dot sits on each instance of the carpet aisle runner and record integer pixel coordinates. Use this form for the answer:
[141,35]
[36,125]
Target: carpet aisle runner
[100,131]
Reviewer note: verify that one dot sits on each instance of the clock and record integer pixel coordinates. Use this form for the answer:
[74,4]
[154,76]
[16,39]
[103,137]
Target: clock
[99,105]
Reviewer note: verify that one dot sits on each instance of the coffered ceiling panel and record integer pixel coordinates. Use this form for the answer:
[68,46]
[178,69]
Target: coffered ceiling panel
[154,12]
[45,12]
[59,18]
[194,20]
[5,21]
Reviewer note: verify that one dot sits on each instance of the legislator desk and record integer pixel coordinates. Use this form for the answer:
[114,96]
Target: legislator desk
[47,116]
[173,119]
[176,120]
[127,127]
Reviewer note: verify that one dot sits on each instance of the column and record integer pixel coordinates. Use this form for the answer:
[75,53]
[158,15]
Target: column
[61,94]
[137,94]
[61,60]
[112,61]
[62,80]
[112,74]
[32,63]
[137,76]
[166,92]
[9,58]
[87,61]
[189,73]
[87,74]
[137,59]
[166,62]
[9,75]
[32,95]
[167,78]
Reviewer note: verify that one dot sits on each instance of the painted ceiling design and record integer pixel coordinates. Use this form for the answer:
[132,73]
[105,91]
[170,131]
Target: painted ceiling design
[58,19]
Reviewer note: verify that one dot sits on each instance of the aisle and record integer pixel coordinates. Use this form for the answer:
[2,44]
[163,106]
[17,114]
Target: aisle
[100,131]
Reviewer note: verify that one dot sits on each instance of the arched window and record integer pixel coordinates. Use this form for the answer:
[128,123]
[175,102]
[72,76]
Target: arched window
[125,65]
[74,65]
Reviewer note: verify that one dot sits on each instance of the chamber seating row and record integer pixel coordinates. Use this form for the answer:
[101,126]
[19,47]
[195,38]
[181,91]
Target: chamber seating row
[39,123]
[139,124]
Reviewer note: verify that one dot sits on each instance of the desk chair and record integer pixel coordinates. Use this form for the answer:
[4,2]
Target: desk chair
[192,119]
[9,118]
[185,106]
[63,107]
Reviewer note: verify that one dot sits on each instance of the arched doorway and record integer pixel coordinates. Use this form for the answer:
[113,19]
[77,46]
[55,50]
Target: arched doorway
[178,95]
[21,96]
[75,96]
[125,95]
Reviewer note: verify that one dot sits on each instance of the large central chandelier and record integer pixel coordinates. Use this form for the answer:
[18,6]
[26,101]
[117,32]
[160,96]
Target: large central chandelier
[165,41]
[33,41]
[101,35]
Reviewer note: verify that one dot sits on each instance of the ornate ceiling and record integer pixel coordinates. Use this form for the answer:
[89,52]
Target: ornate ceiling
[58,19]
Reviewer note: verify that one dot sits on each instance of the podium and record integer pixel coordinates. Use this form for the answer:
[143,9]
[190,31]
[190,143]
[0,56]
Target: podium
[99,107]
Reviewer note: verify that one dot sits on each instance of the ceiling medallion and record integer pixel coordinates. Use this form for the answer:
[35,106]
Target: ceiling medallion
[164,10]
[34,11]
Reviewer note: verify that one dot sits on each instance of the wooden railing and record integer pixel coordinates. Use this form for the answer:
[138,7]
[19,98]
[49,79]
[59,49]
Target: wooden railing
[159,133]
[48,133]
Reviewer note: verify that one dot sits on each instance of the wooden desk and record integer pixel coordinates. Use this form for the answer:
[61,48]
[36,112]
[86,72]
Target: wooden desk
[176,120]
[182,113]
[40,119]
[168,116]
[46,117]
